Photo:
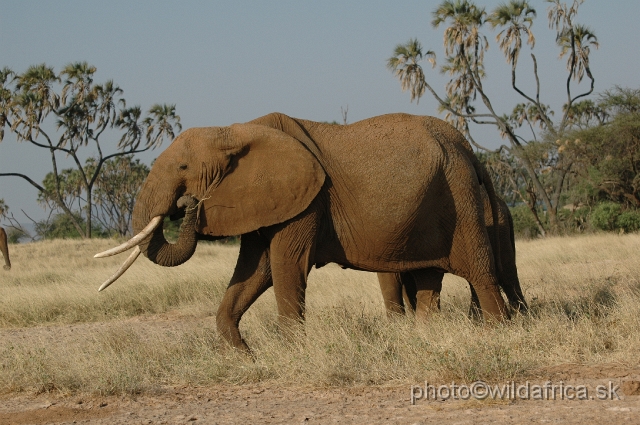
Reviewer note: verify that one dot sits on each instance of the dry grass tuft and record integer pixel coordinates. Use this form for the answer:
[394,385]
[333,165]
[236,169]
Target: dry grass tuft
[155,326]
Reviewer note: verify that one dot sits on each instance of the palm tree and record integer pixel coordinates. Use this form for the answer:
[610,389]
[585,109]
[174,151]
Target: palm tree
[36,97]
[404,65]
[129,120]
[160,124]
[517,16]
[39,80]
[6,77]
[106,95]
[576,42]
[462,36]
[78,83]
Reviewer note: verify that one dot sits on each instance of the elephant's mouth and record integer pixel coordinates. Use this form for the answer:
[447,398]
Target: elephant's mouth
[151,241]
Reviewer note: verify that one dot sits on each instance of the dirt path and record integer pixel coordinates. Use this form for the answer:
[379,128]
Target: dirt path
[275,405]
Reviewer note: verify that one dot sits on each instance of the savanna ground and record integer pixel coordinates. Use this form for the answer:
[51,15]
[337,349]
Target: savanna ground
[146,351]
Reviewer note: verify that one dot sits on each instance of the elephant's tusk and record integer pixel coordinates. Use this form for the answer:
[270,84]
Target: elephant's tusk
[123,268]
[155,221]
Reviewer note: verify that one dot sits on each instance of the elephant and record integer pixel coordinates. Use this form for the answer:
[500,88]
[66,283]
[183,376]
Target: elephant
[399,290]
[392,193]
[4,248]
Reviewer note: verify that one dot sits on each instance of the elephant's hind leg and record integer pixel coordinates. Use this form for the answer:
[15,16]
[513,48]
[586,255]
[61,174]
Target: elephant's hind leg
[474,262]
[252,276]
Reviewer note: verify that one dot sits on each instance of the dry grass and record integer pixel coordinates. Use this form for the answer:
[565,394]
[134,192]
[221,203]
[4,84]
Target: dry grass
[155,326]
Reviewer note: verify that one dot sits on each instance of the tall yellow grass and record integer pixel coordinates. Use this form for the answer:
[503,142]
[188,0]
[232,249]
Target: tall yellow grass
[155,326]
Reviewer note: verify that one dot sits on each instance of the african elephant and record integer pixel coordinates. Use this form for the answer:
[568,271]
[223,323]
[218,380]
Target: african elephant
[387,194]
[4,248]
[399,290]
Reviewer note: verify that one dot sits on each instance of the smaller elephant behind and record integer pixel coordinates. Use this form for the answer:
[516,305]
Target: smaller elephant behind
[420,290]
[4,248]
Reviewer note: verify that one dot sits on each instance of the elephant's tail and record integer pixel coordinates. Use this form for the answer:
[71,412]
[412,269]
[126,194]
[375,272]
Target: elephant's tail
[485,179]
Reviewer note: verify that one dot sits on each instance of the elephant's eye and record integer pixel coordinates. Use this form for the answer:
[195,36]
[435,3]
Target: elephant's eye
[183,166]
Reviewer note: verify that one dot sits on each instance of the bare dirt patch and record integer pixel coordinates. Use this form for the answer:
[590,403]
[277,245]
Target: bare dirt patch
[276,405]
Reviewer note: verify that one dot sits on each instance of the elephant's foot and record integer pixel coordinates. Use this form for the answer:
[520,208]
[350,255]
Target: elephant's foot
[428,303]
[230,332]
[519,307]
[394,310]
[6,267]
[492,305]
[494,310]
[485,287]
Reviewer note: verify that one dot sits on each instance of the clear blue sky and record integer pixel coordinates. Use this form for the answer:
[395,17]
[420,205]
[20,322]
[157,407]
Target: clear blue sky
[231,61]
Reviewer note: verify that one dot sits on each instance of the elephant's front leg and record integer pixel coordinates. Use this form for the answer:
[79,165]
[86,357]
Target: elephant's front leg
[252,276]
[291,253]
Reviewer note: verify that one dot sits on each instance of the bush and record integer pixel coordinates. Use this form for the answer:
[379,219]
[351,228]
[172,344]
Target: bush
[629,221]
[524,223]
[61,227]
[14,235]
[609,216]
[573,220]
[605,215]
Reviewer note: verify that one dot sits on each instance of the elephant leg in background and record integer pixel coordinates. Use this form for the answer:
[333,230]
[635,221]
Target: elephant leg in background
[393,290]
[426,284]
[393,284]
[4,248]
[252,276]
[399,293]
[417,291]
[409,290]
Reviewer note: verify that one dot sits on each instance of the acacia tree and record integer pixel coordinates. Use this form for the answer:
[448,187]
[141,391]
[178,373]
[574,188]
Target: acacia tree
[466,101]
[607,155]
[66,114]
[116,190]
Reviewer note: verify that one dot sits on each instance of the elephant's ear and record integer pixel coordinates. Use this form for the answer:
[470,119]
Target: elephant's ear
[271,178]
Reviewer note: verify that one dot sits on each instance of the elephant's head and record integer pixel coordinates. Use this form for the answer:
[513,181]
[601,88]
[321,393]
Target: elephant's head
[227,181]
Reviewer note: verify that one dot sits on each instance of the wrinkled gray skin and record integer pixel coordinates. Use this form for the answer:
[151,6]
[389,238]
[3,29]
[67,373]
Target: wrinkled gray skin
[4,248]
[388,194]
[399,290]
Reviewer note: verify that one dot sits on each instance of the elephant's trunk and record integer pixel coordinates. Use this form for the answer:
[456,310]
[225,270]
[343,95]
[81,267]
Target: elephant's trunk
[160,251]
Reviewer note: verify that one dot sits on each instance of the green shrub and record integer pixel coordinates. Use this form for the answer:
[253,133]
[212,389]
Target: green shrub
[14,235]
[571,221]
[629,221]
[609,216]
[60,226]
[524,223]
[605,215]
